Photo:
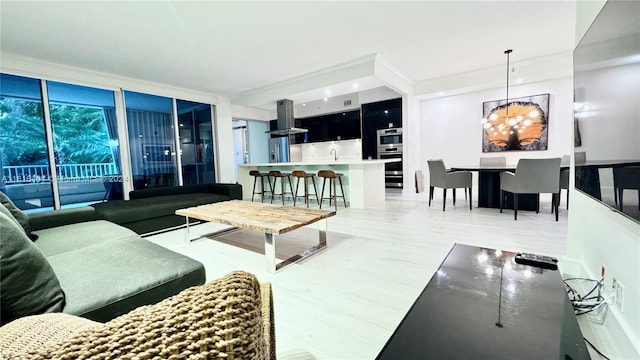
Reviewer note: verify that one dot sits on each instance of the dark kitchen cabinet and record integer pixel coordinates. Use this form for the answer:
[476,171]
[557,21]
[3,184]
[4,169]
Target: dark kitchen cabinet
[330,127]
[375,116]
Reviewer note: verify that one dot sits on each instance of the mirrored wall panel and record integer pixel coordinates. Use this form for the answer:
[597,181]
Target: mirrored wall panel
[607,109]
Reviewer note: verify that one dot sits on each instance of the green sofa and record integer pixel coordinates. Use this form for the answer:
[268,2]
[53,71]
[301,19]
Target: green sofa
[70,261]
[152,210]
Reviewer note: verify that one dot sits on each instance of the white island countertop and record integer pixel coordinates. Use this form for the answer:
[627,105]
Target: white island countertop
[326,162]
[363,180]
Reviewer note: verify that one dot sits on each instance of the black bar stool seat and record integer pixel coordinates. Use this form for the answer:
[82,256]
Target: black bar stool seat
[332,176]
[257,174]
[302,175]
[277,174]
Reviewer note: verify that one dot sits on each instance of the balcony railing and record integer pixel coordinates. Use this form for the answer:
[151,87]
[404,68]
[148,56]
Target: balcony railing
[29,174]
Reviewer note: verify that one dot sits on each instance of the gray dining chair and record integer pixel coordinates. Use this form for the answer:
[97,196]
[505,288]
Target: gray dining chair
[626,178]
[493,161]
[439,177]
[532,176]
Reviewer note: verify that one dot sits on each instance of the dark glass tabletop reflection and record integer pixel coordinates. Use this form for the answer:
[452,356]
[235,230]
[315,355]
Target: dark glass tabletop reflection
[480,304]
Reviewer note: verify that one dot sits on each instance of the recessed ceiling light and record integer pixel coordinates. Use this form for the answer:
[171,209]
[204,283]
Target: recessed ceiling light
[326,99]
[304,104]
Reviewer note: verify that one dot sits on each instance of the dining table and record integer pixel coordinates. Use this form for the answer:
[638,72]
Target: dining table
[489,187]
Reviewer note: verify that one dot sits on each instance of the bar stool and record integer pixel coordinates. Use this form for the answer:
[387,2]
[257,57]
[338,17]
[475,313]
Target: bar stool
[300,174]
[257,174]
[332,176]
[275,174]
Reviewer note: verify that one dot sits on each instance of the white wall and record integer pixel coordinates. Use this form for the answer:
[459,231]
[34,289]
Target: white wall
[258,141]
[224,136]
[249,113]
[337,103]
[598,236]
[451,128]
[377,94]
[332,105]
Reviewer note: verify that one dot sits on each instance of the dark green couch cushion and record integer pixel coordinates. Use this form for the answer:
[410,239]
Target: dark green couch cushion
[18,214]
[73,237]
[28,283]
[126,211]
[60,217]
[111,278]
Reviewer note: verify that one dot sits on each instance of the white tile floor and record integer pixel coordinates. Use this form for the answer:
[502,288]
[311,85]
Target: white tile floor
[345,302]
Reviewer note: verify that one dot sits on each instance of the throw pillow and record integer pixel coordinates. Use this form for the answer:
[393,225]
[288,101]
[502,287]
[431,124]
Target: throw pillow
[9,215]
[18,214]
[29,285]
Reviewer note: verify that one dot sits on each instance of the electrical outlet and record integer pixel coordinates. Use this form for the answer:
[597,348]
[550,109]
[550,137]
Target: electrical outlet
[618,293]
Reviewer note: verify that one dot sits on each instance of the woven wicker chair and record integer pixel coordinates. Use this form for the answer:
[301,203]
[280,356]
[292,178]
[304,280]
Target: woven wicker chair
[230,318]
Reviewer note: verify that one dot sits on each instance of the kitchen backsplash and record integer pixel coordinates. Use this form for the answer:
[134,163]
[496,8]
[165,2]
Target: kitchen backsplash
[321,151]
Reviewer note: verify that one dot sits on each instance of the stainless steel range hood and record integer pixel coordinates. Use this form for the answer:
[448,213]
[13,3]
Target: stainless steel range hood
[286,121]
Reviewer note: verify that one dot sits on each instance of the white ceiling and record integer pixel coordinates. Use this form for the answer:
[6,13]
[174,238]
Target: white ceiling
[236,48]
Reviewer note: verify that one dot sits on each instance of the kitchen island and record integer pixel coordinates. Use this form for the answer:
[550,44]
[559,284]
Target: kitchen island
[363,180]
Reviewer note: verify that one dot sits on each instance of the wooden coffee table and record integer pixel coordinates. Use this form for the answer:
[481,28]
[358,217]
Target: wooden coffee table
[270,219]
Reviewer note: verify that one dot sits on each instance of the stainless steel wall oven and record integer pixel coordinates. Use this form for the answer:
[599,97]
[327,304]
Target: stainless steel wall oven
[390,147]
[390,137]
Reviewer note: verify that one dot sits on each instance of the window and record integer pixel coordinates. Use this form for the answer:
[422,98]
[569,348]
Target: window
[70,155]
[24,160]
[85,144]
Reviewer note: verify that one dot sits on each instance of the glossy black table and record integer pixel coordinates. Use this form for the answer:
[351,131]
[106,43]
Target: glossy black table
[489,188]
[588,175]
[480,304]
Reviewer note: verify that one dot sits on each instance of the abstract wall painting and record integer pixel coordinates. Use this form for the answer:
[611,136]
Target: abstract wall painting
[521,125]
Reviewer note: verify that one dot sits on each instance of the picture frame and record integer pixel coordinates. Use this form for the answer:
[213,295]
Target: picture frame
[520,125]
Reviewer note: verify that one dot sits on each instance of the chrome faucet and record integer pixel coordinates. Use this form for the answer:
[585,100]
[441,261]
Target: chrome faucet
[335,154]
